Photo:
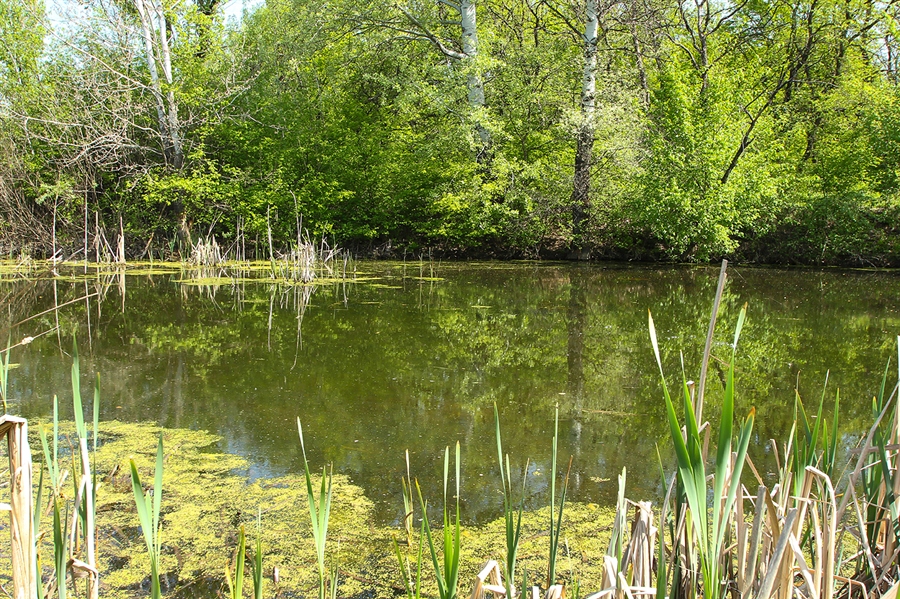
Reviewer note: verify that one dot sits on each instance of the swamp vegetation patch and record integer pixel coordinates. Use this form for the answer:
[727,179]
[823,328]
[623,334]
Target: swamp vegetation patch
[207,496]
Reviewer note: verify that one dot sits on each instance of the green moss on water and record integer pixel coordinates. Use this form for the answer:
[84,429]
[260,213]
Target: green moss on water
[207,496]
[233,280]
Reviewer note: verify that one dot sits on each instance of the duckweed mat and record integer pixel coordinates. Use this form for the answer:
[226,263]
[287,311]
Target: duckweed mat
[207,496]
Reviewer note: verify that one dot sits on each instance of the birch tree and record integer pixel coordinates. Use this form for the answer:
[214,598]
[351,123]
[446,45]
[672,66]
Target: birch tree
[588,35]
[158,55]
[584,149]
[464,52]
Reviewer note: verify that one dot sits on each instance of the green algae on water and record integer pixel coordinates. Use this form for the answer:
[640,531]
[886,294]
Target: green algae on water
[207,496]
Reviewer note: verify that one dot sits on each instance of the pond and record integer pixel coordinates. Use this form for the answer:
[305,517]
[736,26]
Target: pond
[413,356]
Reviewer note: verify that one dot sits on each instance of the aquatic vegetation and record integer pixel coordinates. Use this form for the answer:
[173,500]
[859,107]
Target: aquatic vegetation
[85,496]
[4,376]
[690,452]
[72,537]
[256,563]
[512,516]
[319,514]
[236,582]
[412,584]
[807,532]
[556,517]
[149,518]
[207,495]
[60,548]
[446,574]
[206,252]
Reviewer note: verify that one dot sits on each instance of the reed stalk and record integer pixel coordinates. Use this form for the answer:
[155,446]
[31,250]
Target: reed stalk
[85,503]
[236,581]
[408,517]
[447,574]
[60,538]
[256,562]
[412,585]
[4,375]
[691,468]
[811,443]
[319,513]
[60,548]
[512,515]
[148,508]
[556,517]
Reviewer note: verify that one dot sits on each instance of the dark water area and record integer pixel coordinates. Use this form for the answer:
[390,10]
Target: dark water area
[415,357]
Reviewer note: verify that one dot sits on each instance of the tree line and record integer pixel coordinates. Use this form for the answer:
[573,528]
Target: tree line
[761,130]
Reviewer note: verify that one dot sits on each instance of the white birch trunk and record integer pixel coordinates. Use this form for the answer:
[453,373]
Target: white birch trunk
[166,107]
[146,26]
[166,59]
[585,142]
[589,81]
[474,84]
[468,21]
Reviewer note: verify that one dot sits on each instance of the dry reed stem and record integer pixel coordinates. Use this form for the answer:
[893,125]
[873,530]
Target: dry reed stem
[21,507]
[491,570]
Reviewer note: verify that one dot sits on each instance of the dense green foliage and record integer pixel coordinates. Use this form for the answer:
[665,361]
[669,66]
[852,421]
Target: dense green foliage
[764,130]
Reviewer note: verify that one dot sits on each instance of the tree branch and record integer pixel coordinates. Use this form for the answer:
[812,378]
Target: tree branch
[427,34]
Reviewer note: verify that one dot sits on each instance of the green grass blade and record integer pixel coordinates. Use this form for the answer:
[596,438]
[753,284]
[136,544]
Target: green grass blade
[319,512]
[256,563]
[56,441]
[237,591]
[140,501]
[150,520]
[661,539]
[76,393]
[157,490]
[404,569]
[4,375]
[438,571]
[96,411]
[551,565]
[60,549]
[48,460]
[726,428]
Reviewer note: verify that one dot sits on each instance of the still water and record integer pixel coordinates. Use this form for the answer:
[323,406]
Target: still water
[414,357]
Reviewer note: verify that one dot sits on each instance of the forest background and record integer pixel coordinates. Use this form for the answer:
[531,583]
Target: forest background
[759,130]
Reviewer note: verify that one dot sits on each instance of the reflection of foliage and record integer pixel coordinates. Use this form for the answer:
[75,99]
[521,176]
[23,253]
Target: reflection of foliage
[415,365]
[200,340]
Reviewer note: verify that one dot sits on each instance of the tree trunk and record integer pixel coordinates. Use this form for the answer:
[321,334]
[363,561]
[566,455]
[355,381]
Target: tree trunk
[166,107]
[639,63]
[147,28]
[584,151]
[474,84]
[468,21]
[177,153]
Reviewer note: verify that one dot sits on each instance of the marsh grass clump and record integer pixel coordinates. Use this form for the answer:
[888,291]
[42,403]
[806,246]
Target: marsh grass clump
[148,506]
[319,517]
[446,571]
[798,538]
[206,252]
[694,492]
[308,261]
